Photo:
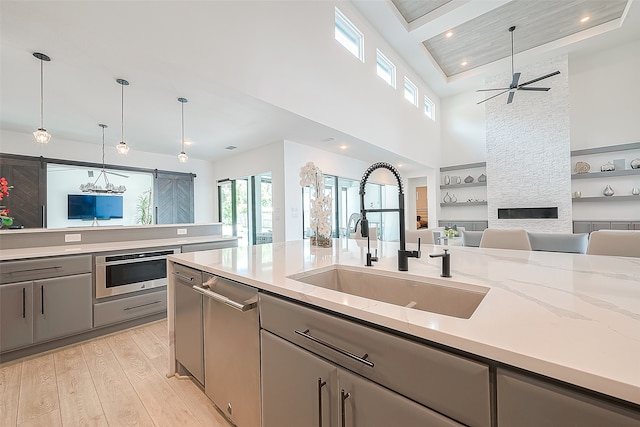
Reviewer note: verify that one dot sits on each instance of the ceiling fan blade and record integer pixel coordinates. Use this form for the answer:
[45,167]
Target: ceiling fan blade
[491,97]
[538,79]
[498,88]
[542,89]
[516,78]
[510,99]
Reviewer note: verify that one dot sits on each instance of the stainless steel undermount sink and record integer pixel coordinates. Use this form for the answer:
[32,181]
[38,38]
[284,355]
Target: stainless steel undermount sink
[454,299]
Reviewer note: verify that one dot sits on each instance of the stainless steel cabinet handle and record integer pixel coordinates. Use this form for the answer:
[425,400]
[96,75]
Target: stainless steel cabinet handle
[142,305]
[42,299]
[320,385]
[343,412]
[246,306]
[362,359]
[44,216]
[182,276]
[24,303]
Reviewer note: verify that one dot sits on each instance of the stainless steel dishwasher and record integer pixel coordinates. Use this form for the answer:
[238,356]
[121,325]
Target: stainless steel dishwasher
[189,321]
[232,348]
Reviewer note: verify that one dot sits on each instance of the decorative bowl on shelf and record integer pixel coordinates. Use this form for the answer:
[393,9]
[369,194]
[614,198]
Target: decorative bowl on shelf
[608,167]
[582,167]
[635,163]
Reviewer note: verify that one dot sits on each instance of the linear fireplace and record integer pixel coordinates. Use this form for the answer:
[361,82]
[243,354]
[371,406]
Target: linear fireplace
[528,213]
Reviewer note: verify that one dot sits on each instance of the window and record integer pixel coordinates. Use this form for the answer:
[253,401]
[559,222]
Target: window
[410,91]
[386,70]
[349,36]
[429,108]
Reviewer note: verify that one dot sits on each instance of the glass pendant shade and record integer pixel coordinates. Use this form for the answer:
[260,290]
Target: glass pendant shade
[182,157]
[122,148]
[42,136]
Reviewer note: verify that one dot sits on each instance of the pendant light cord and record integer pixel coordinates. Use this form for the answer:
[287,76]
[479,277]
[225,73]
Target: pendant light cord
[512,52]
[41,95]
[122,113]
[182,104]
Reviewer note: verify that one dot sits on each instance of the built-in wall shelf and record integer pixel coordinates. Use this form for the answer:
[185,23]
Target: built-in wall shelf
[607,149]
[460,167]
[464,204]
[461,185]
[605,198]
[609,174]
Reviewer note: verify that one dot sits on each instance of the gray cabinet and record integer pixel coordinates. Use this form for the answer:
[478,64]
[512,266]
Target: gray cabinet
[299,388]
[449,384]
[43,299]
[28,199]
[128,308]
[529,402]
[188,323]
[16,315]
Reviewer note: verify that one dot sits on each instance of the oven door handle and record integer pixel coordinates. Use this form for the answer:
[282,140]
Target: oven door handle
[246,306]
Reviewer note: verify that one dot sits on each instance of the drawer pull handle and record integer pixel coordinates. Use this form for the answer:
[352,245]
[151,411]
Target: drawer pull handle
[56,267]
[142,305]
[182,276]
[42,299]
[343,411]
[246,306]
[320,385]
[362,359]
[24,303]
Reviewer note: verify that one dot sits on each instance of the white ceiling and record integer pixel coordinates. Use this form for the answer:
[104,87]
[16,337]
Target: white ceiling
[93,42]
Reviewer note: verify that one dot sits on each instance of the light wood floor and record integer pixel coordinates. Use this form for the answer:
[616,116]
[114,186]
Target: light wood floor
[114,380]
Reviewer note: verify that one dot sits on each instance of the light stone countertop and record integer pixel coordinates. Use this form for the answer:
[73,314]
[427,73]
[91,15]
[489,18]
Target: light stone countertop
[89,248]
[575,318]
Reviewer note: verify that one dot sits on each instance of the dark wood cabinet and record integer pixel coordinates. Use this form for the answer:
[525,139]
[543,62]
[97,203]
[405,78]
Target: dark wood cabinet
[28,198]
[173,198]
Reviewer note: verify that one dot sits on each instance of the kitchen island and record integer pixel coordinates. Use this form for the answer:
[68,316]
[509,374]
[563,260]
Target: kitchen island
[567,317]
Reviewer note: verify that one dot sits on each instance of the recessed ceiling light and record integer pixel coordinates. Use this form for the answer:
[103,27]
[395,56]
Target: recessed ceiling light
[188,142]
[230,147]
[464,63]
[329,139]
[343,147]
[449,34]
[585,19]
[399,165]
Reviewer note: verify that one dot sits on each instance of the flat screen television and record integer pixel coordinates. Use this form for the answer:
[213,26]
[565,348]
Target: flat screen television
[90,206]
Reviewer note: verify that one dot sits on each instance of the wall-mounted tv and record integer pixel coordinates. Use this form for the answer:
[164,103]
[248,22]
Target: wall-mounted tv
[90,206]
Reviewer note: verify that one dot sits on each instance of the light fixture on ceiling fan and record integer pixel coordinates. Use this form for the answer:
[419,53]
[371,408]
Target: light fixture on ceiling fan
[41,135]
[93,187]
[515,79]
[122,147]
[182,157]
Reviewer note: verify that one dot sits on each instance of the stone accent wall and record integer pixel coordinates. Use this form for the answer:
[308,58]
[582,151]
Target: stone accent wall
[528,148]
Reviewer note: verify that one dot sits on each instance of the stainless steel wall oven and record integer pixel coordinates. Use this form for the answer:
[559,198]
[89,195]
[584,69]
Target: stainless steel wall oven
[122,273]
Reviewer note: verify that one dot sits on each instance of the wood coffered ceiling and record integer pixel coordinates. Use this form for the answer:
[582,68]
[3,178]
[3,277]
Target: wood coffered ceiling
[484,38]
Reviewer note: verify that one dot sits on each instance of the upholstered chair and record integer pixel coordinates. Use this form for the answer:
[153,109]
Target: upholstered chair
[505,239]
[471,238]
[559,242]
[615,243]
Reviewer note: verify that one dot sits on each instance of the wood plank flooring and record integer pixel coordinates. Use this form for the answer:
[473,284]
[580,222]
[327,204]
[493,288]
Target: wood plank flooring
[116,380]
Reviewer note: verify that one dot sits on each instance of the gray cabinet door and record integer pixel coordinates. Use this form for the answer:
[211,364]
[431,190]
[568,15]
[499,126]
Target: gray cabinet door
[528,402]
[621,225]
[297,387]
[62,306]
[582,226]
[605,225]
[16,315]
[366,404]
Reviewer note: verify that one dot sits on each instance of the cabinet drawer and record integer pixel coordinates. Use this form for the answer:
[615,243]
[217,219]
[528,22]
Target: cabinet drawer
[525,401]
[44,268]
[452,385]
[187,275]
[105,313]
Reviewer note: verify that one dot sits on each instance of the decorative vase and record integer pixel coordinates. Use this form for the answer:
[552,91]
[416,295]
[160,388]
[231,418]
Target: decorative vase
[635,191]
[447,198]
[608,167]
[577,194]
[454,199]
[447,180]
[321,241]
[608,191]
[582,167]
[635,163]
[468,179]
[482,178]
[457,180]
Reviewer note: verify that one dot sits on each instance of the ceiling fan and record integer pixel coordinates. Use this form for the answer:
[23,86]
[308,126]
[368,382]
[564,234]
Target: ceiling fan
[516,78]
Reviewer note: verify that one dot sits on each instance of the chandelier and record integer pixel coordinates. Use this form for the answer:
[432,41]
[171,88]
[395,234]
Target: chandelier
[94,187]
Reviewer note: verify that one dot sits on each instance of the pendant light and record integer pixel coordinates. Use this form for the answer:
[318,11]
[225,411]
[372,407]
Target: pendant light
[41,135]
[182,157]
[94,187]
[122,146]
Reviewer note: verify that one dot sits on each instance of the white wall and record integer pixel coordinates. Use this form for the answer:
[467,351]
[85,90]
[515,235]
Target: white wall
[23,144]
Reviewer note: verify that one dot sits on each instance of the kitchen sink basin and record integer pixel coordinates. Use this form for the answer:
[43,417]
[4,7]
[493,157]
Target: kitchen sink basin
[453,299]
